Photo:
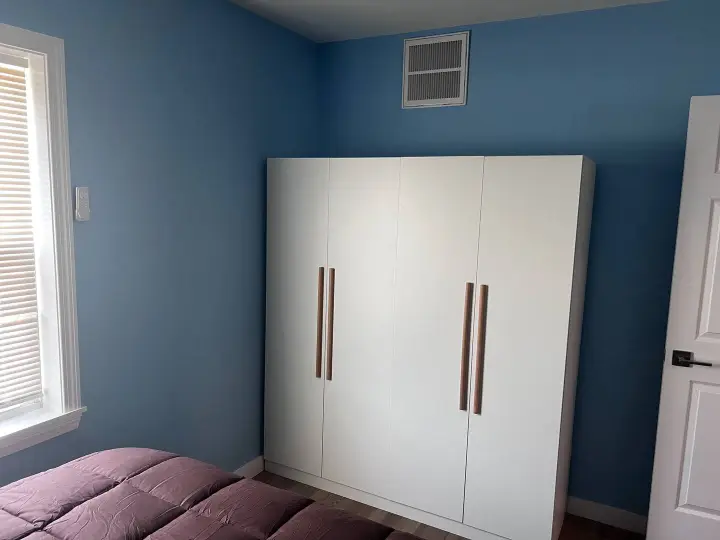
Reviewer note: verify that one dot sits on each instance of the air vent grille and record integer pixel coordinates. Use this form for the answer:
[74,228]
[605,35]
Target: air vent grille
[435,71]
[433,86]
[441,55]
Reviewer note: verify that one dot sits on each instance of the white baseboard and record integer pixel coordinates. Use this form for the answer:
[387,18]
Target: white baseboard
[622,519]
[252,468]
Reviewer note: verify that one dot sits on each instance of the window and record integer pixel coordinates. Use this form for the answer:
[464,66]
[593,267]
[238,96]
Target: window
[39,382]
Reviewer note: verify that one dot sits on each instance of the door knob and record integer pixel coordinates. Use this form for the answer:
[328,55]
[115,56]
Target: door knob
[687,359]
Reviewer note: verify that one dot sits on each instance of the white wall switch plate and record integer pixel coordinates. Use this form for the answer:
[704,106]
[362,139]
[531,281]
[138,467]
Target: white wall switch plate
[82,204]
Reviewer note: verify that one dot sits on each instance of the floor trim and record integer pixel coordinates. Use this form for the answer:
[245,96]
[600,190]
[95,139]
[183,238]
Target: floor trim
[622,519]
[252,468]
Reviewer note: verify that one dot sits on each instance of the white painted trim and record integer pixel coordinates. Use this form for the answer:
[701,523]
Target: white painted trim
[53,51]
[39,431]
[609,515]
[252,468]
[46,57]
[383,504]
[63,214]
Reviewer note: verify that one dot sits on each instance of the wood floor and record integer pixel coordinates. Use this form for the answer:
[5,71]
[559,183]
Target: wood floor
[575,528]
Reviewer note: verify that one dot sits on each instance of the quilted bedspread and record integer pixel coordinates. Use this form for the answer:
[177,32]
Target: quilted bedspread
[134,493]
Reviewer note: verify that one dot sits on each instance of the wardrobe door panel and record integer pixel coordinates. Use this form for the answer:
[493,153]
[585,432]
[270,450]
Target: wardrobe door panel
[527,250]
[297,221]
[361,255]
[439,224]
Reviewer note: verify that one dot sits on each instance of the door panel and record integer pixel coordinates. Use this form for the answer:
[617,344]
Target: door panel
[297,223]
[362,249]
[700,476]
[439,226]
[526,258]
[685,501]
[709,328]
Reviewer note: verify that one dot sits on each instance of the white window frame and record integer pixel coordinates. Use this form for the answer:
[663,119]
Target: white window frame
[62,413]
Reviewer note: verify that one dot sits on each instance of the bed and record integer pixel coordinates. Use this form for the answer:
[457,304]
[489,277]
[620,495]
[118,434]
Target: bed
[134,493]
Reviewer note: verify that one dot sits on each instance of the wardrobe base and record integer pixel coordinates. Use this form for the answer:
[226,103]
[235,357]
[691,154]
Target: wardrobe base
[383,504]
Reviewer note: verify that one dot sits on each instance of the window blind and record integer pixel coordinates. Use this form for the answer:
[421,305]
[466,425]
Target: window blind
[20,367]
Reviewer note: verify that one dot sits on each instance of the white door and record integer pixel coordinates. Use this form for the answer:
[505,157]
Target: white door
[297,221]
[438,233]
[685,500]
[362,249]
[526,259]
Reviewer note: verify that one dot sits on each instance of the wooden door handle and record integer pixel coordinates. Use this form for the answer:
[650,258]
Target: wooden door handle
[320,306]
[465,354]
[330,324]
[480,357]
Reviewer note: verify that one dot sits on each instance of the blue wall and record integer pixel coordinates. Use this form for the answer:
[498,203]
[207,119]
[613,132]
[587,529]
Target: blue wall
[615,85]
[173,106]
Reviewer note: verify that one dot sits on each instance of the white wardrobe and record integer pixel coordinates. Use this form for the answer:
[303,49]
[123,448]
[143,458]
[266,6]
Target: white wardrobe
[423,328]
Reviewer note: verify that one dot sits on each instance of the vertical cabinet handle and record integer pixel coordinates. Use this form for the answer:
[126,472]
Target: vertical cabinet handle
[320,306]
[465,354]
[330,324]
[480,357]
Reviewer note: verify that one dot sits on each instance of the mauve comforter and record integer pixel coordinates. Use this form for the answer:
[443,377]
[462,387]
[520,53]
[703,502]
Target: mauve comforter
[134,493]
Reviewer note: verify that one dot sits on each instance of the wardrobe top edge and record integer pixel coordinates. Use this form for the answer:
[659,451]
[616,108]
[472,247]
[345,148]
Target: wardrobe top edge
[580,156]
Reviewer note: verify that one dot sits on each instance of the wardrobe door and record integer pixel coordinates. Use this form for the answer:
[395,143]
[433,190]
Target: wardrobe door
[439,224]
[361,257]
[526,258]
[297,221]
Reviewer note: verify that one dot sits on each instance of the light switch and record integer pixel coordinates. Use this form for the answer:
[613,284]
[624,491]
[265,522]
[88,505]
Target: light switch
[82,204]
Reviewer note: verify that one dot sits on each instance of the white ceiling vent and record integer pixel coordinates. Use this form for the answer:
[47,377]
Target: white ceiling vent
[435,72]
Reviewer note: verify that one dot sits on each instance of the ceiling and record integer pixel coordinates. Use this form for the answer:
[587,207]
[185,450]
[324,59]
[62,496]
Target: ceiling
[337,20]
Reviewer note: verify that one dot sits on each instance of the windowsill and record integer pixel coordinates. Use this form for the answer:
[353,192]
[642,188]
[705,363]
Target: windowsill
[36,427]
